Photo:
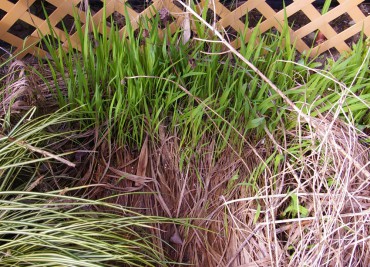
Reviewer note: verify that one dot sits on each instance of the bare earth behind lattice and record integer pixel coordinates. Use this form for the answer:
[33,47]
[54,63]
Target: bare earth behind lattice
[232,20]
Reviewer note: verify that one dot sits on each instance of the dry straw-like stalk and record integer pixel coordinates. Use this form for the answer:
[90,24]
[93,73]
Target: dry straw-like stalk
[310,209]
[331,181]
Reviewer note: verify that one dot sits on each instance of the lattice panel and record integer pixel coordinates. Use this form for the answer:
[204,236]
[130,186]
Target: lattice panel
[17,14]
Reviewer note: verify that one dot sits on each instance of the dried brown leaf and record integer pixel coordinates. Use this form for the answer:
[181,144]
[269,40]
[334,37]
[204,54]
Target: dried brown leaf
[143,159]
[175,238]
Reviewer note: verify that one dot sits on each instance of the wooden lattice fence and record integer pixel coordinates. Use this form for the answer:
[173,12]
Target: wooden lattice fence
[21,24]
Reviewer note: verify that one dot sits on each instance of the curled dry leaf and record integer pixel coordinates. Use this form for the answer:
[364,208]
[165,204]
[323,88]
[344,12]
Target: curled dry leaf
[320,38]
[186,29]
[175,238]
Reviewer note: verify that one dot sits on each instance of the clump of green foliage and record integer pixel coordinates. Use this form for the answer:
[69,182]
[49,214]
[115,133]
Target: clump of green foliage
[126,86]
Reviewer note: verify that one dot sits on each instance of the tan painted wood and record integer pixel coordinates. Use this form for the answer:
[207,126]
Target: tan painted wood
[228,18]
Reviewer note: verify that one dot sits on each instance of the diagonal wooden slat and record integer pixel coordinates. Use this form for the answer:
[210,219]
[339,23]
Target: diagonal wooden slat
[227,19]
[13,15]
[63,9]
[322,23]
[313,14]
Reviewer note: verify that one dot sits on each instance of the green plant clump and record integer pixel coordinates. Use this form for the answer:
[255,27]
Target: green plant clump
[231,135]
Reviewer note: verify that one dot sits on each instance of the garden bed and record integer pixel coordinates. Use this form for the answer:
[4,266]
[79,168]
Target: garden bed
[151,152]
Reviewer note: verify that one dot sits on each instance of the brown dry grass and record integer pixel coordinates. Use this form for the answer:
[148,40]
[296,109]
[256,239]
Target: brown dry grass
[221,198]
[237,201]
[25,88]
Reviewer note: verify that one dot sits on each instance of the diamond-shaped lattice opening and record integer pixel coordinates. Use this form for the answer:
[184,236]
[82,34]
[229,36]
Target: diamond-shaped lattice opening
[271,33]
[38,8]
[96,39]
[278,4]
[81,6]
[212,16]
[68,22]
[21,29]
[116,19]
[177,3]
[30,58]
[233,4]
[298,20]
[6,49]
[94,5]
[341,23]
[139,5]
[314,38]
[365,9]
[332,53]
[48,40]
[2,14]
[231,33]
[252,18]
[353,39]
[137,33]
